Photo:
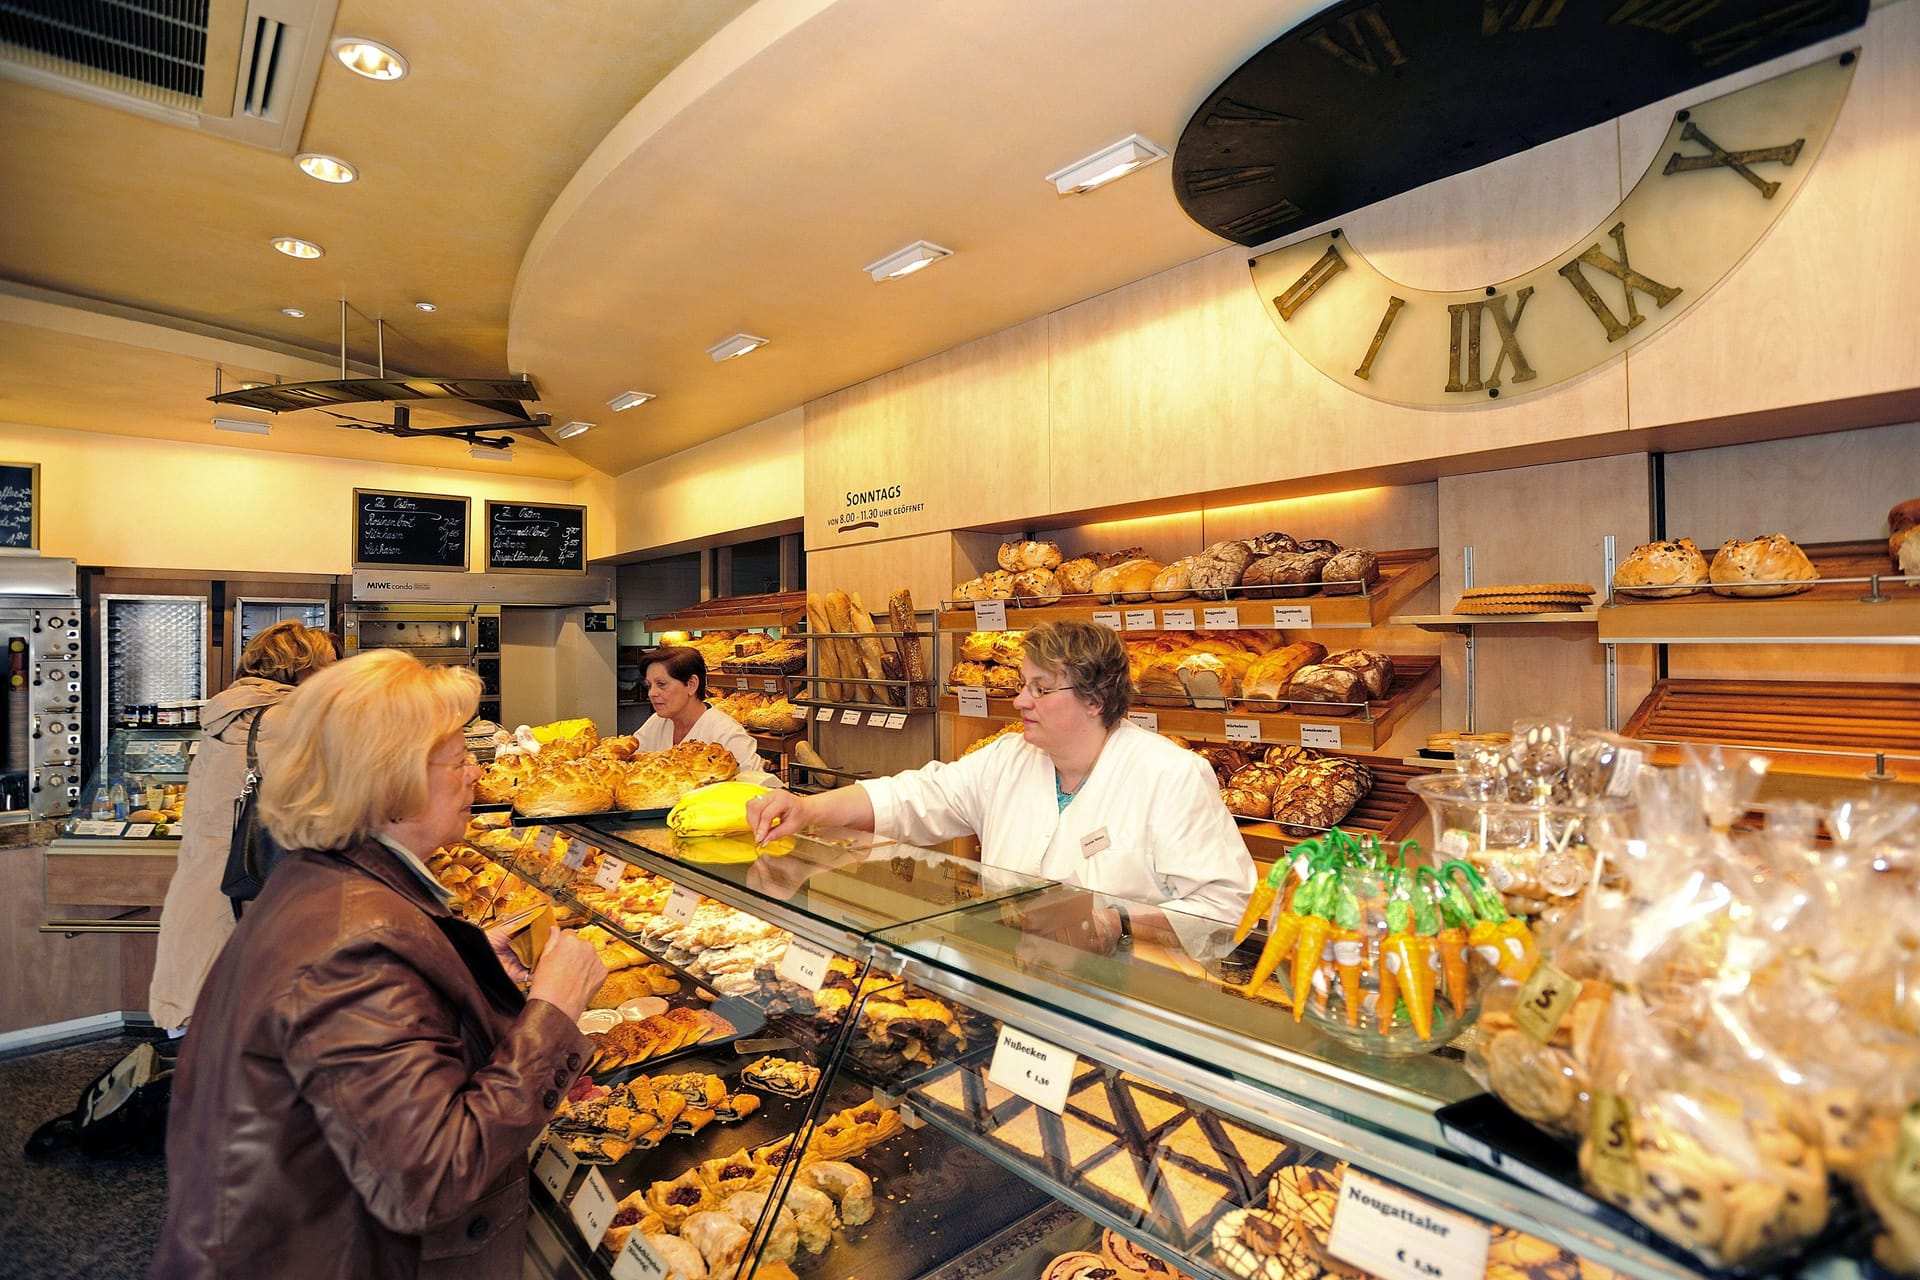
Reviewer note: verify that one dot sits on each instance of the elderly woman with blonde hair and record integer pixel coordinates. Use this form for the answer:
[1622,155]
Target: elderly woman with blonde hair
[363,1079]
[197,918]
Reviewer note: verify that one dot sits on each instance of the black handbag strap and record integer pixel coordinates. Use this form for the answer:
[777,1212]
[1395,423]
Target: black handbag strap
[253,754]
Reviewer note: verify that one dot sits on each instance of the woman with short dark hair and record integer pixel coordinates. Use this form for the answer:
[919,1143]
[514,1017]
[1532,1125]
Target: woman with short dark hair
[676,684]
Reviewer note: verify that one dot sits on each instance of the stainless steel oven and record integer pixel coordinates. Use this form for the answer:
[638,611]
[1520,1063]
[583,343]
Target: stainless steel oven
[452,635]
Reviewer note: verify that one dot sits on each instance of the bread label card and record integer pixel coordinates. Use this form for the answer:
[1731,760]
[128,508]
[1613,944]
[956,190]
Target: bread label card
[876,719]
[1545,998]
[973,700]
[1140,620]
[138,830]
[1035,1070]
[1177,619]
[1320,735]
[896,720]
[824,713]
[555,1167]
[1293,615]
[1148,720]
[990,615]
[593,1208]
[770,686]
[1109,618]
[681,904]
[1382,1229]
[850,716]
[1226,618]
[639,1261]
[543,839]
[577,851]
[1613,1166]
[1243,730]
[804,964]
[98,827]
[608,876]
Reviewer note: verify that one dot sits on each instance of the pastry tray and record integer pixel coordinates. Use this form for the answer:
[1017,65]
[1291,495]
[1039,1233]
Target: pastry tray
[747,1018]
[606,815]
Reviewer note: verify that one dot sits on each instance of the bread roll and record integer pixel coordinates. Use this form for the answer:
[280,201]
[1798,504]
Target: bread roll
[1904,516]
[1243,803]
[1287,573]
[1015,557]
[1264,778]
[1656,570]
[1037,586]
[1219,569]
[1350,572]
[564,790]
[1773,560]
[1313,688]
[1173,582]
[971,589]
[1131,581]
[999,585]
[968,675]
[1268,677]
[1108,559]
[1076,576]
[1008,647]
[977,646]
[1225,761]
[1267,544]
[1319,544]
[1904,547]
[1002,682]
[1376,669]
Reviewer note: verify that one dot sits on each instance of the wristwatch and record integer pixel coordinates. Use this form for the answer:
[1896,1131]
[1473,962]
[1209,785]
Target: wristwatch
[1125,941]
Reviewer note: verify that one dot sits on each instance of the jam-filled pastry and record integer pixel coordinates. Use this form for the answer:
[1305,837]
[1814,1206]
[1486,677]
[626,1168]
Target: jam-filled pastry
[679,1199]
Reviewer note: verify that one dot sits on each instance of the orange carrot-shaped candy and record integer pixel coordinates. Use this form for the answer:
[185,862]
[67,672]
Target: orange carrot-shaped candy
[1456,916]
[1315,928]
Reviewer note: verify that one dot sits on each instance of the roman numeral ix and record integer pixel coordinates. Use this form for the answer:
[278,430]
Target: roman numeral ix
[1629,278]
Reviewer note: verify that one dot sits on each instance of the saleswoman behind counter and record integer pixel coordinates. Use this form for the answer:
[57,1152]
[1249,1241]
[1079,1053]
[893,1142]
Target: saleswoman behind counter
[1082,796]
[676,683]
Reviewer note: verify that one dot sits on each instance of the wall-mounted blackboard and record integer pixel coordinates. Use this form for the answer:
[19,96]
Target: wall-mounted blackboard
[536,537]
[409,530]
[19,506]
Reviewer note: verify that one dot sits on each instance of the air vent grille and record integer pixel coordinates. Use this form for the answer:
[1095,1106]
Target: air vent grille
[152,49]
[257,97]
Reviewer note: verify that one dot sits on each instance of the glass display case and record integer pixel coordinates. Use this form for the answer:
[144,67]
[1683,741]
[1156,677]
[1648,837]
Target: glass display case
[139,787]
[1000,1100]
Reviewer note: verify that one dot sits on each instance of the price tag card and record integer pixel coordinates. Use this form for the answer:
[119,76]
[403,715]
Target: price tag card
[1293,615]
[1614,1166]
[543,839]
[804,964]
[876,719]
[1148,720]
[1221,619]
[681,904]
[849,716]
[140,748]
[1177,619]
[740,682]
[770,686]
[608,876]
[555,1167]
[1030,1067]
[577,851]
[990,615]
[1454,843]
[1108,618]
[1243,731]
[593,1208]
[1544,1000]
[139,830]
[896,720]
[1320,735]
[639,1261]
[98,828]
[1397,1236]
[824,713]
[973,701]
[1140,620]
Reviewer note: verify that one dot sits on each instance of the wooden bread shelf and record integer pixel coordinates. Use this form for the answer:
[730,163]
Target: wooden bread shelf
[1462,621]
[1389,811]
[1415,678]
[1822,728]
[1829,612]
[1402,573]
[736,613]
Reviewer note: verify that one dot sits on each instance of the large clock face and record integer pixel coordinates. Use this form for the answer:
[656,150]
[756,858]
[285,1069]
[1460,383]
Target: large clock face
[1371,98]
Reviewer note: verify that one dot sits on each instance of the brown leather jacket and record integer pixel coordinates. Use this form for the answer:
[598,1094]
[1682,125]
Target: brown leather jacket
[359,1088]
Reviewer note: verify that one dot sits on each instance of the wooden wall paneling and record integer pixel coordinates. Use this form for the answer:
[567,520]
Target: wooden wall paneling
[923,565]
[1383,518]
[51,978]
[1166,538]
[973,555]
[963,434]
[1831,488]
[1822,307]
[1854,662]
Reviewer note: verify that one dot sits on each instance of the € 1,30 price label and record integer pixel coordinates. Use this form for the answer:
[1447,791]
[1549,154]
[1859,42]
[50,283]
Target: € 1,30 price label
[804,964]
[593,1208]
[1035,1070]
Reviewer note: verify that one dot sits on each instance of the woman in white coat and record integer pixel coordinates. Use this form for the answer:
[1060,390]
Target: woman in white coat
[676,681]
[1082,796]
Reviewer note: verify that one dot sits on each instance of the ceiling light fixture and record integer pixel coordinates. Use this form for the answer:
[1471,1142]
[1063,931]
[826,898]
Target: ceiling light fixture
[295,247]
[369,58]
[487,453]
[246,425]
[325,168]
[248,386]
[295,312]
[629,400]
[737,345]
[904,262]
[1103,166]
[568,431]
[425,306]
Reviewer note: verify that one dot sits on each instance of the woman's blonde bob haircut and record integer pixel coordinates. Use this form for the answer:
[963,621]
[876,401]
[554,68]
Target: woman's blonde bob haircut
[354,745]
[1089,657]
[286,651]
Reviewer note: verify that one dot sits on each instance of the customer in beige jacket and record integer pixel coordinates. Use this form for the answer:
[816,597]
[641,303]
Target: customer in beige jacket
[197,917]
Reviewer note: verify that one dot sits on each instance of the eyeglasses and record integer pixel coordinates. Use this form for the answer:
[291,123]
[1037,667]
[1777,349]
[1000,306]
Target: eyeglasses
[1035,693]
[467,761]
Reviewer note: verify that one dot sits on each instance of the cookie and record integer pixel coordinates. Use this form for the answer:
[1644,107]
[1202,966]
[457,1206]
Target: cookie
[1256,1244]
[1499,607]
[1130,1260]
[1532,588]
[1529,1077]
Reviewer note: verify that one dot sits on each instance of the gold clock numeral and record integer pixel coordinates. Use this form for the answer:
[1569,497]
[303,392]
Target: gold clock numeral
[1362,49]
[1231,114]
[1325,267]
[1718,157]
[1466,324]
[1518,15]
[1629,279]
[1262,222]
[1205,181]
[1365,371]
[1767,28]
[1668,17]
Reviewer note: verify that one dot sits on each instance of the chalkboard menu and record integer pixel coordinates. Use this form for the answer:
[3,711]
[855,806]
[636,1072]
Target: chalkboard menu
[531,537]
[409,530]
[19,506]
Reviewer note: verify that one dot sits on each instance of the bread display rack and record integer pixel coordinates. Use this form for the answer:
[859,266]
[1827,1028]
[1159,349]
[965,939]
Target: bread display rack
[1855,601]
[1826,728]
[1388,811]
[779,610]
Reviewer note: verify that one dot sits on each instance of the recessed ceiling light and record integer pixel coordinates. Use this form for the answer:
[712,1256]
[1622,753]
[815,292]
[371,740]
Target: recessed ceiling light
[629,400]
[295,312]
[1103,166]
[295,247]
[737,345]
[571,429]
[250,386]
[488,453]
[247,425]
[325,168]
[425,306]
[369,58]
[904,262]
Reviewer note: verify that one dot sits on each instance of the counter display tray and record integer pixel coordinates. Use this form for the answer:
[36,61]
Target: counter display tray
[746,1017]
[607,815]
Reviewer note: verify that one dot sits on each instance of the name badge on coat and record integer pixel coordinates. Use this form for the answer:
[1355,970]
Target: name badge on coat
[1094,841]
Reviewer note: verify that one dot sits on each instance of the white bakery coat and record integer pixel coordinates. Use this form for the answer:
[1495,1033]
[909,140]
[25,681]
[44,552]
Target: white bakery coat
[1148,825]
[712,726]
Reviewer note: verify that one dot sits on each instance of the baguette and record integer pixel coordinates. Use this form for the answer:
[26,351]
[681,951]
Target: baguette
[913,659]
[827,651]
[840,618]
[873,658]
[804,753]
